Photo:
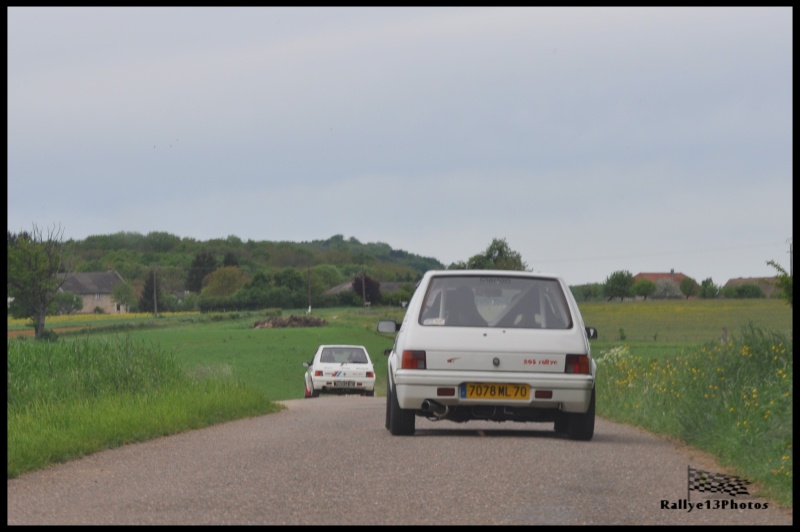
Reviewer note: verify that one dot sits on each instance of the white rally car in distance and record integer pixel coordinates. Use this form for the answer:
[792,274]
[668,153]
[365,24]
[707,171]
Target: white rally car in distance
[492,345]
[340,369]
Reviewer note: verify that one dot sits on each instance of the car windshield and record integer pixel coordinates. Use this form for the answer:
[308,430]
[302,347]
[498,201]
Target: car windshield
[341,355]
[496,301]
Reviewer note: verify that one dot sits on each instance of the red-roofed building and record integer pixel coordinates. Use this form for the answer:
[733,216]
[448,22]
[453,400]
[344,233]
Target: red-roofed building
[656,277]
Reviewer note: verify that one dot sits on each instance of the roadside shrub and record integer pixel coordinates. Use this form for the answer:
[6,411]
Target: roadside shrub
[732,399]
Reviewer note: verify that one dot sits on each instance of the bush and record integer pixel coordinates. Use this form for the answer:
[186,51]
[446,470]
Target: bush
[743,291]
[667,289]
[708,290]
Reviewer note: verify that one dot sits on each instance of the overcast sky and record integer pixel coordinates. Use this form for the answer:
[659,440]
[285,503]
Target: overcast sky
[591,139]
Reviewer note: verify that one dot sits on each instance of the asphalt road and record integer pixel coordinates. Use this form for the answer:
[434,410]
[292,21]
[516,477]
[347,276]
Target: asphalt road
[330,461]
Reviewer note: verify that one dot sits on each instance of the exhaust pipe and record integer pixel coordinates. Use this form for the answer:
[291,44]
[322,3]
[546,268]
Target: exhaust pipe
[432,407]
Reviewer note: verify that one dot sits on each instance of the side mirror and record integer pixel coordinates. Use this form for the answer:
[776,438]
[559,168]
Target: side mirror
[387,352]
[591,333]
[388,326]
[306,364]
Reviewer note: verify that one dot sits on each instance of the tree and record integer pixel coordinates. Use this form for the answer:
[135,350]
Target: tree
[230,259]
[151,293]
[618,284]
[290,278]
[224,282]
[498,256]
[367,288]
[65,303]
[743,291]
[689,287]
[643,288]
[587,292]
[708,290]
[35,272]
[122,294]
[783,282]
[203,264]
[667,289]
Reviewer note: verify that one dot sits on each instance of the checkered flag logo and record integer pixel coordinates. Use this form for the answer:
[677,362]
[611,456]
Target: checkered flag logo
[708,482]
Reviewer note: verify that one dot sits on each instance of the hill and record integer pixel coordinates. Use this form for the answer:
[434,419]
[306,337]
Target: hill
[331,262]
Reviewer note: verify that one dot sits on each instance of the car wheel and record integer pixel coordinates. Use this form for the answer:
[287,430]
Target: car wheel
[370,393]
[401,421]
[311,393]
[581,426]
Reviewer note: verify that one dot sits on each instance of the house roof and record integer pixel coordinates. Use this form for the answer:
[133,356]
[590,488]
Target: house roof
[91,282]
[339,288]
[387,287]
[673,276]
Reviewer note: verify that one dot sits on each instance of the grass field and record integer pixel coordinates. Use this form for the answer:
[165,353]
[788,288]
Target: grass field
[663,366]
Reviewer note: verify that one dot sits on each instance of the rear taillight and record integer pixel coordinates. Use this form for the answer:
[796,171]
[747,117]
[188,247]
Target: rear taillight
[577,364]
[413,360]
[370,375]
[318,373]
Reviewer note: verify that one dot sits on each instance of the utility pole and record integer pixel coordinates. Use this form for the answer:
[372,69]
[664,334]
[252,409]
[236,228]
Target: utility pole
[790,256]
[308,276]
[155,303]
[364,287]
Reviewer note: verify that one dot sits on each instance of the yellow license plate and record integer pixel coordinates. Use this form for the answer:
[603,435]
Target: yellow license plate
[479,390]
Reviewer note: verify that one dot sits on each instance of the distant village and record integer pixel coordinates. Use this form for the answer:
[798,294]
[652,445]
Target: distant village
[96,288]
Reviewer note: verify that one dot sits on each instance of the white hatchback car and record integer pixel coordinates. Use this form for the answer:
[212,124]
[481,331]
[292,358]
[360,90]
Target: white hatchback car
[340,369]
[493,345]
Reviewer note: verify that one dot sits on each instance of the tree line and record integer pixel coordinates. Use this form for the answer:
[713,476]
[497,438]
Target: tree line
[622,285]
[163,272]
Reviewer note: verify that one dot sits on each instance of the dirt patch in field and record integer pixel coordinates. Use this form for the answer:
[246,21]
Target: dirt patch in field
[29,332]
[290,321]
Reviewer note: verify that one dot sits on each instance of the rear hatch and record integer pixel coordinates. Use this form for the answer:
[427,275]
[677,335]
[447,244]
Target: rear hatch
[345,370]
[475,349]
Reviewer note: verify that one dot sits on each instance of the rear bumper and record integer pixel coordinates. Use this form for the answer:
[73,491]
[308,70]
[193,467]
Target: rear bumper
[570,393]
[328,385]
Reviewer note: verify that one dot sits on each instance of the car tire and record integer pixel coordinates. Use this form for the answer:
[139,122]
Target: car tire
[401,421]
[581,426]
[370,393]
[311,394]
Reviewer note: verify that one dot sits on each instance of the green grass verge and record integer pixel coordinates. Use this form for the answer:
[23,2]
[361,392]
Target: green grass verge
[663,366]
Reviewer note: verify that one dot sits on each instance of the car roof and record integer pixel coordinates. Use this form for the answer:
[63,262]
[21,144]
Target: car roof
[512,273]
[343,345]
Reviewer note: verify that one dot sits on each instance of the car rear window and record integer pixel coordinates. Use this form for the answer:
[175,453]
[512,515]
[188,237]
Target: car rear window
[341,355]
[497,301]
